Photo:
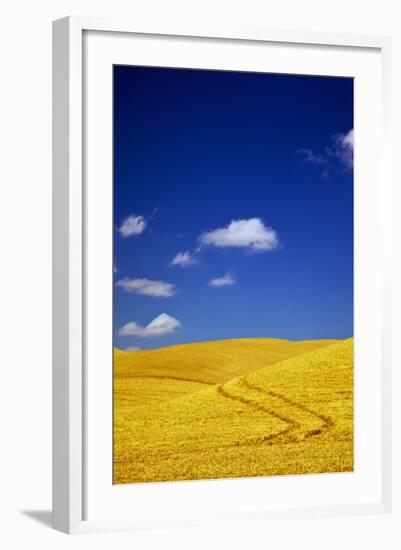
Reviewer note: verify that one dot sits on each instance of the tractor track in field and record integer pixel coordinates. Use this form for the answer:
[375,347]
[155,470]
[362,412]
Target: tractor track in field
[327,422]
[292,425]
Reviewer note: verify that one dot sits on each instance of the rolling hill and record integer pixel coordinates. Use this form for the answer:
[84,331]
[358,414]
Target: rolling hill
[233,408]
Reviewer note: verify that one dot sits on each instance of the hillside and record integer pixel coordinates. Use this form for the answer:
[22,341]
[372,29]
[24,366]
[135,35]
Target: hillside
[233,408]
[145,378]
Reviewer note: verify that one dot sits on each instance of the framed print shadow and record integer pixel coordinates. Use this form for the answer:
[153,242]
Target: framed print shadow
[221,305]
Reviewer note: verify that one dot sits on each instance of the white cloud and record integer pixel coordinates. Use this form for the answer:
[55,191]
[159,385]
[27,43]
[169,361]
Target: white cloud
[184,259]
[147,287]
[251,233]
[348,138]
[341,148]
[163,324]
[226,280]
[133,225]
[344,148]
[132,348]
[310,157]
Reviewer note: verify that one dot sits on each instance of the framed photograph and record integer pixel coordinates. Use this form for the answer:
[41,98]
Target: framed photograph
[221,298]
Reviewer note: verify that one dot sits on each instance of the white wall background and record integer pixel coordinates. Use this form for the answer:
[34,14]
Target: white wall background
[25,289]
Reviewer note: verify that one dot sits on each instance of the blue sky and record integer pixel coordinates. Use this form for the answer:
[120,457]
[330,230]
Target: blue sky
[233,206]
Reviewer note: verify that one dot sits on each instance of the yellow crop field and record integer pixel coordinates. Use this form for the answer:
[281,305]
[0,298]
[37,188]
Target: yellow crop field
[233,408]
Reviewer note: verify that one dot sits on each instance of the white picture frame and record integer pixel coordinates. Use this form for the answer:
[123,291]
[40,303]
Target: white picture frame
[70,425]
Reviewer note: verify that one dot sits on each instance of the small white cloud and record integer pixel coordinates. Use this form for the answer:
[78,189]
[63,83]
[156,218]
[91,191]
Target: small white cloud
[184,259]
[348,139]
[341,148]
[147,287]
[310,157]
[163,324]
[226,280]
[115,269]
[344,148]
[132,348]
[251,233]
[133,225]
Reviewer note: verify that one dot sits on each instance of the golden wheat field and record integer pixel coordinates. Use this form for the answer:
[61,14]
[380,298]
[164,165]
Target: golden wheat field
[233,408]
